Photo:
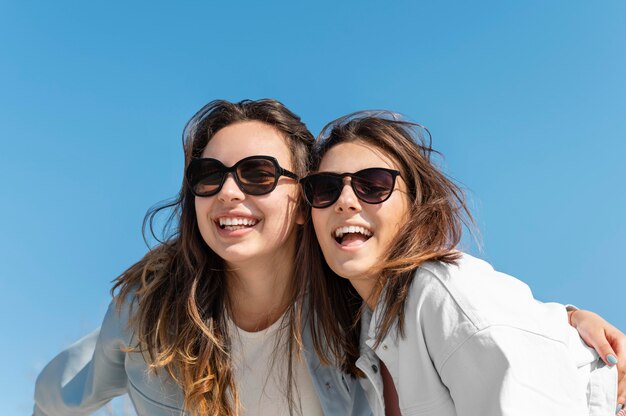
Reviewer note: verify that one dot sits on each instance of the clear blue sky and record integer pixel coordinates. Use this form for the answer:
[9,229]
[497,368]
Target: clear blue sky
[527,100]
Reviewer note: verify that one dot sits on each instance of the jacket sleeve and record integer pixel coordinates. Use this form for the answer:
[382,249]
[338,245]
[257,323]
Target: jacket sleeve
[506,371]
[86,375]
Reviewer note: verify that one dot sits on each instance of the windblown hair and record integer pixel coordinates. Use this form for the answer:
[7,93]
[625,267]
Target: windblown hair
[178,289]
[437,212]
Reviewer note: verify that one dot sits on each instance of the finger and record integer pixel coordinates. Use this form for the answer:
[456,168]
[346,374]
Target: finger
[604,349]
[621,393]
[621,385]
[617,340]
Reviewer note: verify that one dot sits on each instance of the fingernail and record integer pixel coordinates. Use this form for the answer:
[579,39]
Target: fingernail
[611,359]
[618,408]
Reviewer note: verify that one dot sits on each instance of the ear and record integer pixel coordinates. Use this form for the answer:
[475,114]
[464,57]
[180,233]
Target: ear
[303,212]
[300,217]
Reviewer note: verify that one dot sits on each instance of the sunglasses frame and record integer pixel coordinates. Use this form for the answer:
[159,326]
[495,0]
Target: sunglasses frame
[197,162]
[340,176]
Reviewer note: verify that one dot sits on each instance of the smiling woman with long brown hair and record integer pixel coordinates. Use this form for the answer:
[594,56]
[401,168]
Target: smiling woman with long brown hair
[207,323]
[439,331]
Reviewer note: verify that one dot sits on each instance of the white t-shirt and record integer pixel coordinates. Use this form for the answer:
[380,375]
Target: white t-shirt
[260,369]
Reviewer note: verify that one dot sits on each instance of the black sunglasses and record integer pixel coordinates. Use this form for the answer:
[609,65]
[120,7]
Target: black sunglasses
[372,186]
[254,175]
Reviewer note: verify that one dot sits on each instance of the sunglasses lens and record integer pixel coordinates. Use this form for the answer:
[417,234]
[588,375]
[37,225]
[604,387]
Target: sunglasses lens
[257,176]
[322,190]
[205,176]
[373,185]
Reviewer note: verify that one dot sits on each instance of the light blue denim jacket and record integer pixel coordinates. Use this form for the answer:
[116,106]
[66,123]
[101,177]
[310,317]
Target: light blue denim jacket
[95,369]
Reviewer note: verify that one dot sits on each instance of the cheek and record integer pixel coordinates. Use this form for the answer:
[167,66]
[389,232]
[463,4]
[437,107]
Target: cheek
[399,209]
[285,206]
[198,207]
[397,219]
[393,222]
[201,206]
[279,212]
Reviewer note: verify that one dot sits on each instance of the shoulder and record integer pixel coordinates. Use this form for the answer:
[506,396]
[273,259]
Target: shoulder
[473,285]
[449,304]
[472,290]
[117,323]
[470,274]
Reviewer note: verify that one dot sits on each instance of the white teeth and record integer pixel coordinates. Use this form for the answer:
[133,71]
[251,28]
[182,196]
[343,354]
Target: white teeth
[339,232]
[225,222]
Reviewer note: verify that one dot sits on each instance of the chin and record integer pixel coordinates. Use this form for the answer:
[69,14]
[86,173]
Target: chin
[350,270]
[234,254]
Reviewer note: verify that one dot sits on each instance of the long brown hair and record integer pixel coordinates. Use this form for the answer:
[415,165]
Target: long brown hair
[178,289]
[437,212]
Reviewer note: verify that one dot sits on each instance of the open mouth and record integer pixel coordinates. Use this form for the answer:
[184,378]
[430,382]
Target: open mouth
[235,223]
[352,235]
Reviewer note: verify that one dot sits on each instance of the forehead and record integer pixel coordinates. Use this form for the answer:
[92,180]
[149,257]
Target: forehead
[248,138]
[355,155]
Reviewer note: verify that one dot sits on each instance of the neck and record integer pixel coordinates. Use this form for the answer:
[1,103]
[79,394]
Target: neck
[366,287]
[259,294]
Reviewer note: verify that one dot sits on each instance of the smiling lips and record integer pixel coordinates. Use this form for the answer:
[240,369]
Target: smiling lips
[351,235]
[235,223]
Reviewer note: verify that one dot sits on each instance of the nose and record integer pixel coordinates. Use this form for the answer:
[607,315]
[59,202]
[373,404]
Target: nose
[347,202]
[230,190]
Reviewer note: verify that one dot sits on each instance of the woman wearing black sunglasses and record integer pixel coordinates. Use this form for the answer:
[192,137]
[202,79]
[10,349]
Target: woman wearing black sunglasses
[208,322]
[440,333]
[212,321]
